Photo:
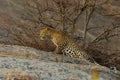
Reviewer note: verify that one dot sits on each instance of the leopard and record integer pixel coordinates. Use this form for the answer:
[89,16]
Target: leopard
[65,43]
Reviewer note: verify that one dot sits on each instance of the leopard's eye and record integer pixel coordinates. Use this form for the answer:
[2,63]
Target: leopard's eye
[43,37]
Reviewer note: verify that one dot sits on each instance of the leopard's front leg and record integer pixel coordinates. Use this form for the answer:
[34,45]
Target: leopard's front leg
[56,51]
[63,53]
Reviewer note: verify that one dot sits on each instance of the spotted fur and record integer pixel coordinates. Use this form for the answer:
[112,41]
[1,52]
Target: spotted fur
[65,44]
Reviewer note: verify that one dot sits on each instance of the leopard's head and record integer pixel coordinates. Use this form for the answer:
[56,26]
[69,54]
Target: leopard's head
[45,33]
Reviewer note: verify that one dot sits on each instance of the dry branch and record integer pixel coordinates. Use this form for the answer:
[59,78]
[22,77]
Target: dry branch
[105,34]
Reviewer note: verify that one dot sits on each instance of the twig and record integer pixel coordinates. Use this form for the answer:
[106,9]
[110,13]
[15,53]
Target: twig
[102,35]
[88,17]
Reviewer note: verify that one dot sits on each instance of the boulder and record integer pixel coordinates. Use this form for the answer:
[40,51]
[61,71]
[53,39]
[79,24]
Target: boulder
[25,63]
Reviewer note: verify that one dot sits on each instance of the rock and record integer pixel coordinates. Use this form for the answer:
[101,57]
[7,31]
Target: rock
[14,27]
[43,66]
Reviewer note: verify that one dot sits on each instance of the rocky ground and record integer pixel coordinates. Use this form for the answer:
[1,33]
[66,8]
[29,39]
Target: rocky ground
[25,63]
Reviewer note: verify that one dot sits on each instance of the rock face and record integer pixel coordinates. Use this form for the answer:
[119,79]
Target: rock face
[25,63]
[15,29]
[18,62]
